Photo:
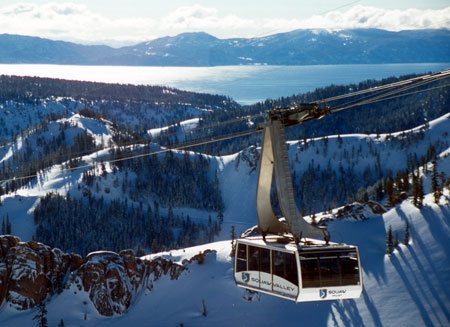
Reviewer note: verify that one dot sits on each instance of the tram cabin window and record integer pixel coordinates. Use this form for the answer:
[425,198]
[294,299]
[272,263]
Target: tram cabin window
[253,258]
[329,269]
[258,259]
[281,264]
[310,270]
[264,260]
[241,260]
[284,265]
[349,268]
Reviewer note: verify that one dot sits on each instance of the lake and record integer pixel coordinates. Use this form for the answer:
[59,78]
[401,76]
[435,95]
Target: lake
[245,84]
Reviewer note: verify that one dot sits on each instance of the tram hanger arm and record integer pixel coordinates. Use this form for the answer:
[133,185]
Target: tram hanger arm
[295,115]
[274,159]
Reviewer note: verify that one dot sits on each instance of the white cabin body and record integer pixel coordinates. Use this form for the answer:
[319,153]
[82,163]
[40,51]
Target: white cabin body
[311,271]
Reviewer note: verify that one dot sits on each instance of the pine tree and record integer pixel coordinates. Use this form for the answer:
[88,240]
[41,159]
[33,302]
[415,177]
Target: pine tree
[420,193]
[313,219]
[41,315]
[233,237]
[395,243]
[406,234]
[390,192]
[140,252]
[435,184]
[389,242]
[220,216]
[405,181]
[415,189]
[8,225]
[204,312]
[61,323]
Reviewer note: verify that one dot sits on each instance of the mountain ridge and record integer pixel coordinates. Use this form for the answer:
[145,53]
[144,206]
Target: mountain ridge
[298,47]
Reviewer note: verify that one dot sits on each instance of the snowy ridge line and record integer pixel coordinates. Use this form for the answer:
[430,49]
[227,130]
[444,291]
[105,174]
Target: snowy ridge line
[180,146]
[433,77]
[95,163]
[160,136]
[415,82]
[410,83]
[425,79]
[382,136]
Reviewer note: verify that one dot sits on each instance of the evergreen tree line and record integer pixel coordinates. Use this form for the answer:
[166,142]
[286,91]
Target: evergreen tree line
[408,182]
[41,152]
[174,180]
[321,188]
[35,89]
[392,240]
[382,117]
[44,155]
[6,226]
[139,108]
[136,107]
[88,224]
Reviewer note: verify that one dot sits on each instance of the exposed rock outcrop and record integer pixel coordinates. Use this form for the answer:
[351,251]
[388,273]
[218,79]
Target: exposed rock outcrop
[31,271]
[361,211]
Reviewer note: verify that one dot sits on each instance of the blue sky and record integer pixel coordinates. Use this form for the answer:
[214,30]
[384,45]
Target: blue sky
[120,22]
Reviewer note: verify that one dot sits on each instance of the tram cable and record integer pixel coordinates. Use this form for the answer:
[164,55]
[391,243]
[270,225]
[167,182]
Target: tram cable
[391,91]
[422,80]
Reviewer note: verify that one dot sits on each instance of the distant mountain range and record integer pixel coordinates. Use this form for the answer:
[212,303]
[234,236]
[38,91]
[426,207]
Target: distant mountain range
[299,47]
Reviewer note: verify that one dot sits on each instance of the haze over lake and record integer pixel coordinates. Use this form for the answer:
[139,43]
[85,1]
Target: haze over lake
[245,84]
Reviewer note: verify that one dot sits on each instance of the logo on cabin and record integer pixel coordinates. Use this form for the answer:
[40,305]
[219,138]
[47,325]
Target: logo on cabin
[323,293]
[245,277]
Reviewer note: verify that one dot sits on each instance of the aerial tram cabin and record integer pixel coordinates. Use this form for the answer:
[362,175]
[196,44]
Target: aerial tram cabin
[289,259]
[300,273]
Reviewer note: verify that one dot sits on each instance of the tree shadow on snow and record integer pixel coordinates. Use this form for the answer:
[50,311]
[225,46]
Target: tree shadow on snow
[424,277]
[412,292]
[348,314]
[446,212]
[429,274]
[438,229]
[439,233]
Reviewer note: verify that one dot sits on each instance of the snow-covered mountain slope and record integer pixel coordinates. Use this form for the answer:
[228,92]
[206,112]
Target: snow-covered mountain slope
[37,142]
[237,173]
[359,151]
[408,288]
[17,116]
[364,156]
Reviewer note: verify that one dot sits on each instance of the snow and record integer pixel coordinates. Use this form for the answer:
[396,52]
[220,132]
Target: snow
[409,288]
[101,131]
[238,184]
[238,188]
[392,154]
[185,125]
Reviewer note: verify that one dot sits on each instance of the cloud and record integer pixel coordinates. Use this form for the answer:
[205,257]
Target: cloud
[369,17]
[201,18]
[76,22]
[72,22]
